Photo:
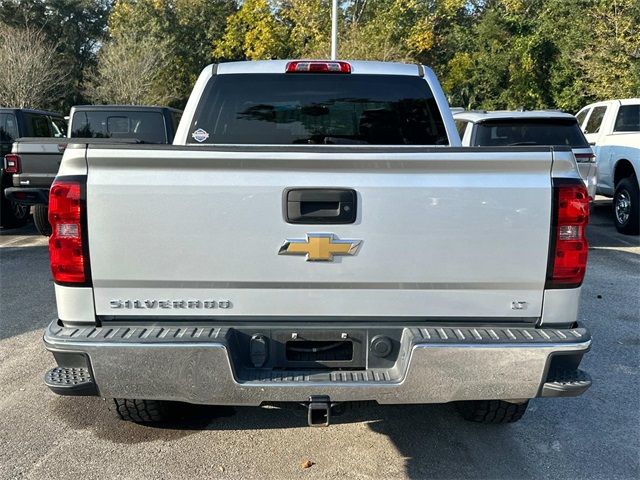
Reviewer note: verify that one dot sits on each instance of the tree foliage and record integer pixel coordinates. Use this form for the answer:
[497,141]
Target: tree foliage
[387,30]
[253,33]
[611,56]
[308,27]
[31,70]
[185,31]
[75,27]
[490,54]
[129,73]
[546,54]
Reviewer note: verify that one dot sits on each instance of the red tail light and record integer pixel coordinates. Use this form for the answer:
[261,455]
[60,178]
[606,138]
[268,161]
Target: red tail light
[569,248]
[12,163]
[585,157]
[306,66]
[67,254]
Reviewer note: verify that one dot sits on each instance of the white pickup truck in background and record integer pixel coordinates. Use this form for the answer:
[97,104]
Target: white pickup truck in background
[317,235]
[613,129]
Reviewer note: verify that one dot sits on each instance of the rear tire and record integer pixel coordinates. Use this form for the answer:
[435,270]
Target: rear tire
[142,411]
[626,206]
[492,411]
[13,214]
[41,220]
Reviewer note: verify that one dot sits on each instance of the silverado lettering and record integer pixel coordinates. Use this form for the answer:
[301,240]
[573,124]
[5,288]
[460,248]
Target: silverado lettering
[170,304]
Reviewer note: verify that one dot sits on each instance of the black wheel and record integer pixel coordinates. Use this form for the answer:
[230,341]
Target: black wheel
[41,220]
[492,411]
[626,206]
[13,214]
[142,411]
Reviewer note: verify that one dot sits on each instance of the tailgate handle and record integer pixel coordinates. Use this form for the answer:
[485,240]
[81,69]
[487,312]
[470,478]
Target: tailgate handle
[320,205]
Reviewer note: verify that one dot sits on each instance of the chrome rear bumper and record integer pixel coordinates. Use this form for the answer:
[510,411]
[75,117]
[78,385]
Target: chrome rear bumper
[434,365]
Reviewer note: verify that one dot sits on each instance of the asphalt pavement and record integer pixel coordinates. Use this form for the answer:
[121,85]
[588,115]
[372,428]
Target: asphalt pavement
[594,436]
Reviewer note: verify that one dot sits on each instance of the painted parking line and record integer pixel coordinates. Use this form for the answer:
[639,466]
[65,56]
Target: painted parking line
[23,241]
[635,250]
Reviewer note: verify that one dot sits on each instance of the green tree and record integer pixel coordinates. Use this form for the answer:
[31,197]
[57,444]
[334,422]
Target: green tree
[129,72]
[308,23]
[610,60]
[32,75]
[254,33]
[76,27]
[566,80]
[507,62]
[487,53]
[384,30]
[185,30]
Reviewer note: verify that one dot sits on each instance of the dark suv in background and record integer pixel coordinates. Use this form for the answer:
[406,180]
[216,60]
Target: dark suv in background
[16,123]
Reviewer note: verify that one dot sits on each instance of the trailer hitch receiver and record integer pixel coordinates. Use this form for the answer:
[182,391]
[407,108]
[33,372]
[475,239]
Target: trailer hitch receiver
[319,411]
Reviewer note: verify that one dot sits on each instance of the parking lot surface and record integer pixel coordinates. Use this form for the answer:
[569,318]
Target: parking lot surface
[594,436]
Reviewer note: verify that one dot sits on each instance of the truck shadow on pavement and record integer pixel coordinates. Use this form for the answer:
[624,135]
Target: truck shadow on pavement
[436,443]
[433,440]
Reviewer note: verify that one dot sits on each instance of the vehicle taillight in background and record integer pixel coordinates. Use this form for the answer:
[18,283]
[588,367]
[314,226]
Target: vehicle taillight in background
[569,248]
[585,157]
[67,252]
[12,163]
[318,67]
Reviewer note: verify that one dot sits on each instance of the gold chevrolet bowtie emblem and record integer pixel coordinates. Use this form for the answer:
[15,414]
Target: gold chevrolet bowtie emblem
[320,247]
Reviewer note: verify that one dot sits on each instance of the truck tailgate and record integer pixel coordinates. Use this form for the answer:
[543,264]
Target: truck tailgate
[444,232]
[39,159]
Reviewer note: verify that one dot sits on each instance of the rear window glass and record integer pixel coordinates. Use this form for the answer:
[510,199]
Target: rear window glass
[8,127]
[59,127]
[628,119]
[176,116]
[37,125]
[581,116]
[147,127]
[595,120]
[317,109]
[513,132]
[461,126]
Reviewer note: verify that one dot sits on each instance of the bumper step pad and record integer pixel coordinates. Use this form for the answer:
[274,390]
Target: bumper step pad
[71,381]
[336,376]
[430,335]
[566,383]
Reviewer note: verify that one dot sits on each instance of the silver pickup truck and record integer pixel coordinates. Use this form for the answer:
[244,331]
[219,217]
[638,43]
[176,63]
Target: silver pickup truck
[316,235]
